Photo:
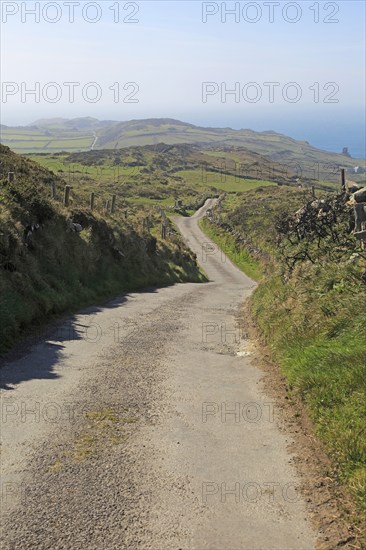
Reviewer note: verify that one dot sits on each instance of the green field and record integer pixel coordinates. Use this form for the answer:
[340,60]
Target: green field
[224,182]
[27,141]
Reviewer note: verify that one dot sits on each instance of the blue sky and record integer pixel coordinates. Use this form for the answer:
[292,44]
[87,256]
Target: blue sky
[170,52]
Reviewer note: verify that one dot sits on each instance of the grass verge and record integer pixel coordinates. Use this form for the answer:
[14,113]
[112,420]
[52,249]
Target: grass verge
[238,255]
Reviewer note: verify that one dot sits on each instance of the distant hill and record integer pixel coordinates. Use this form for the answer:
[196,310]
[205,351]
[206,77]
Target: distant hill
[80,123]
[88,133]
[48,122]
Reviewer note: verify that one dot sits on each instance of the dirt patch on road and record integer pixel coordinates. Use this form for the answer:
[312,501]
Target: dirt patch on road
[330,506]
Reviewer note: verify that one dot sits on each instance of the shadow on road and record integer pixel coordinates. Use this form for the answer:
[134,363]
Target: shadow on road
[50,343]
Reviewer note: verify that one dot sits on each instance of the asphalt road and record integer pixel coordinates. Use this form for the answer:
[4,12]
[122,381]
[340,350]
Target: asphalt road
[144,424]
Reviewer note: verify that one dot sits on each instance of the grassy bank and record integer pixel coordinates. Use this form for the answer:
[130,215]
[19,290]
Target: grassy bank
[321,349]
[238,255]
[55,260]
[309,308]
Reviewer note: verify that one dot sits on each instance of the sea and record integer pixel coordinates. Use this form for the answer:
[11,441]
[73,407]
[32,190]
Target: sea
[330,133]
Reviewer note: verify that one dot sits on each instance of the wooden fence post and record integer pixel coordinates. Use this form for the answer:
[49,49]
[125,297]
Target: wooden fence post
[204,172]
[343,176]
[313,191]
[67,195]
[113,204]
[107,206]
[92,201]
[53,190]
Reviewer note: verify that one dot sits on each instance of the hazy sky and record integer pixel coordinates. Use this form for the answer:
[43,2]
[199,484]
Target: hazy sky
[284,61]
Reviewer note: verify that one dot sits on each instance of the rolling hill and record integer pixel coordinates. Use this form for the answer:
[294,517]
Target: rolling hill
[83,134]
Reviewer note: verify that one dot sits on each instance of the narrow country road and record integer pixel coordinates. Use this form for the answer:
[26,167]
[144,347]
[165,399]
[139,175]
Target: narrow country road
[143,425]
[94,142]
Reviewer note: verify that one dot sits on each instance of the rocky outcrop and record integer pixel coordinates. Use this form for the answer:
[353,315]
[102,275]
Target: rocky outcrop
[358,200]
[359,196]
[345,152]
[352,187]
